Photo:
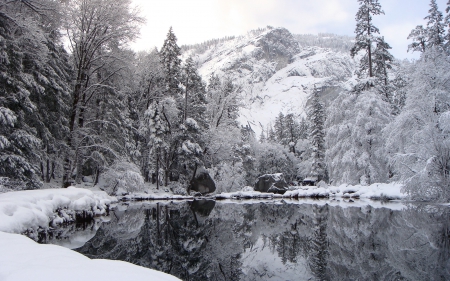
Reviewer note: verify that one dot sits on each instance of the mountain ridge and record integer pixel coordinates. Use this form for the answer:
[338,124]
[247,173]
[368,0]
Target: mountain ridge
[276,71]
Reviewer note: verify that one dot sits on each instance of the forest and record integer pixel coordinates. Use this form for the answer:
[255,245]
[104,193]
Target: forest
[77,103]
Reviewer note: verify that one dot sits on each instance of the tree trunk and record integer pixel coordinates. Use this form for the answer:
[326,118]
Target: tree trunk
[47,178]
[157,168]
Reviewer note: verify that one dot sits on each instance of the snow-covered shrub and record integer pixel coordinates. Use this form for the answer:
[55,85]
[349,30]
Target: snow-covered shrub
[228,177]
[7,185]
[123,177]
[272,158]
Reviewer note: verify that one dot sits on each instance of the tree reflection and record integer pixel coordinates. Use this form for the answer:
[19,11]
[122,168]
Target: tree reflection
[205,240]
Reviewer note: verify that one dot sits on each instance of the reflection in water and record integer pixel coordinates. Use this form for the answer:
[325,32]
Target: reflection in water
[205,240]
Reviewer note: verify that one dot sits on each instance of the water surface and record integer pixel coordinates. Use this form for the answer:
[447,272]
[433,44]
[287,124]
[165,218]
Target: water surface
[279,240]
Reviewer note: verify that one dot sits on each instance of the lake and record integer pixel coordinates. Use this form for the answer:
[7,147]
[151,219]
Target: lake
[273,240]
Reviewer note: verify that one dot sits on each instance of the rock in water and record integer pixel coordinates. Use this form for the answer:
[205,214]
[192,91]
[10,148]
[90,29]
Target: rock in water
[203,183]
[274,183]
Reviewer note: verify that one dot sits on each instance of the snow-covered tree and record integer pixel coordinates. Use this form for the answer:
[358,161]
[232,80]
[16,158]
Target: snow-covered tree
[154,127]
[419,37]
[195,94]
[354,143]
[170,59]
[383,63]
[33,92]
[447,24]
[94,29]
[417,140]
[316,117]
[365,35]
[435,28]
[280,127]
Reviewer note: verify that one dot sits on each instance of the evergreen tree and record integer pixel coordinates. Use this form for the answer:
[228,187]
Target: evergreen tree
[419,37]
[447,23]
[435,28]
[33,92]
[365,35]
[155,128]
[316,116]
[171,62]
[280,128]
[383,62]
[195,94]
[292,132]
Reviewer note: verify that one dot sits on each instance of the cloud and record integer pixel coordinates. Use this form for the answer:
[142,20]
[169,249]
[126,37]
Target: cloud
[195,21]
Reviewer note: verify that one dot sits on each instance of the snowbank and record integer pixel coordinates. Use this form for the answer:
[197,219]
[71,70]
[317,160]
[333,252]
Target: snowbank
[375,191]
[22,211]
[247,194]
[23,259]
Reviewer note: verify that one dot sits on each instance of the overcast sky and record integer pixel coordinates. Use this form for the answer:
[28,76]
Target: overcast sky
[195,21]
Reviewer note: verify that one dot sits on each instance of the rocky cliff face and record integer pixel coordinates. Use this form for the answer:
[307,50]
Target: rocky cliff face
[277,71]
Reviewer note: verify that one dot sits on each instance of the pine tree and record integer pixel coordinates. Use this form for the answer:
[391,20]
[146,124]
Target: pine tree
[170,59]
[195,94]
[33,92]
[419,37]
[316,116]
[435,28]
[292,132]
[447,23]
[280,128]
[365,35]
[155,128]
[383,62]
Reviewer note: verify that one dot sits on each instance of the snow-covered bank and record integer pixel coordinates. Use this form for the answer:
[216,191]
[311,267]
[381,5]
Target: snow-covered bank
[377,191]
[23,259]
[247,194]
[29,210]
[154,196]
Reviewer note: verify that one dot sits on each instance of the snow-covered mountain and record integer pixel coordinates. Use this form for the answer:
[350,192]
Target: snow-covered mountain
[277,70]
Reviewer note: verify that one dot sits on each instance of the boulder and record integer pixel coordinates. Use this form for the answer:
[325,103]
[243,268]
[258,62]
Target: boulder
[202,207]
[274,183]
[203,183]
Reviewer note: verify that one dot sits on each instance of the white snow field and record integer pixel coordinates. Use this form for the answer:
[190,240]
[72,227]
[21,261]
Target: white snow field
[23,259]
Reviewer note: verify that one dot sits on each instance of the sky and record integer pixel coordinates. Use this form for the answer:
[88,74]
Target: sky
[196,21]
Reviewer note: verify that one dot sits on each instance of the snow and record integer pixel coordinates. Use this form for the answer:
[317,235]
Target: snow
[389,191]
[246,195]
[269,87]
[22,211]
[23,259]
[155,196]
[377,191]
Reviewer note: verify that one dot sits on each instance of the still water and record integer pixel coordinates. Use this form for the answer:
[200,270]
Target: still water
[275,240]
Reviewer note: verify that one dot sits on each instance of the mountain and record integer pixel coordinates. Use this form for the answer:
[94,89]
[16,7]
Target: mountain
[277,70]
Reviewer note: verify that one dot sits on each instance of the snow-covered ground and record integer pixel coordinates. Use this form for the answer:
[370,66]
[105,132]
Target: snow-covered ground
[23,259]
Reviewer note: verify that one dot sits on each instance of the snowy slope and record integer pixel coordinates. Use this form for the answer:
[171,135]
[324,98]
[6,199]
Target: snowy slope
[276,74]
